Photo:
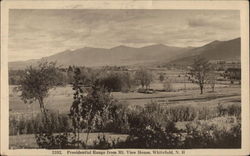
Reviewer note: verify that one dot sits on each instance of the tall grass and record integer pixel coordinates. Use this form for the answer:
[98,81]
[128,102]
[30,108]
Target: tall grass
[222,132]
[31,125]
[121,116]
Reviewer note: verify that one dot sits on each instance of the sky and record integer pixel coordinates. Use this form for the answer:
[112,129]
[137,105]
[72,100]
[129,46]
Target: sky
[38,33]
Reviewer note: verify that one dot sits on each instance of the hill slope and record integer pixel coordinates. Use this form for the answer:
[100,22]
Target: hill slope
[217,50]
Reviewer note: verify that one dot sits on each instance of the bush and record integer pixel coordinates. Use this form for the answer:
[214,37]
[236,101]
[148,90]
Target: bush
[103,143]
[206,112]
[146,133]
[189,113]
[58,123]
[57,141]
[220,133]
[13,126]
[181,113]
[117,81]
[231,110]
[112,82]
[150,129]
[118,119]
[234,110]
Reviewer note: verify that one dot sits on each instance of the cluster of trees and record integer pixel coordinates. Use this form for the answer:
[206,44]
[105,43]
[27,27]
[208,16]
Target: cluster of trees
[14,76]
[120,79]
[35,82]
[233,74]
[112,80]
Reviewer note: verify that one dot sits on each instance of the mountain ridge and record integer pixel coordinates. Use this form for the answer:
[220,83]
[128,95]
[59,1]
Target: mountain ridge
[216,50]
[125,55]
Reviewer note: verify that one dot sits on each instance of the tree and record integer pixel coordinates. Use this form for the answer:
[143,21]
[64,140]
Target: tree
[112,82]
[36,82]
[161,77]
[199,71]
[212,79]
[167,85]
[233,74]
[88,107]
[70,74]
[144,77]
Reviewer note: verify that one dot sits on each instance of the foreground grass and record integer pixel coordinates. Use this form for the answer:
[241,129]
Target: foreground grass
[28,141]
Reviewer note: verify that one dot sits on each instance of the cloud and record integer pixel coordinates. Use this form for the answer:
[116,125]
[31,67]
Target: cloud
[39,33]
[216,22]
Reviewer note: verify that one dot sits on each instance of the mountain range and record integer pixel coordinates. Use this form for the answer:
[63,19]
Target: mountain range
[124,55]
[216,50]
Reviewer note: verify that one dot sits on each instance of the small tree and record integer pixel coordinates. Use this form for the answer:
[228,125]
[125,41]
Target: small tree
[88,107]
[70,74]
[199,71]
[36,82]
[144,77]
[167,85]
[161,77]
[212,79]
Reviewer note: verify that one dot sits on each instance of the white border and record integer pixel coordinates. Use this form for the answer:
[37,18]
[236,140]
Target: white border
[243,6]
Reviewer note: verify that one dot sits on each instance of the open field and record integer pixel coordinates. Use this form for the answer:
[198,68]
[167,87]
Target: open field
[61,98]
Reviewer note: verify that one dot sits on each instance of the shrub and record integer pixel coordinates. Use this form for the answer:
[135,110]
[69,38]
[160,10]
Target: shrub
[146,133]
[58,141]
[205,113]
[220,133]
[150,129]
[181,113]
[234,110]
[118,119]
[231,110]
[89,110]
[48,141]
[112,82]
[58,123]
[102,143]
[13,126]
[117,81]
[190,113]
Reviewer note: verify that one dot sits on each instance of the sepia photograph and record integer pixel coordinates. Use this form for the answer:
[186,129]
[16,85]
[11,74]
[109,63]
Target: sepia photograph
[133,78]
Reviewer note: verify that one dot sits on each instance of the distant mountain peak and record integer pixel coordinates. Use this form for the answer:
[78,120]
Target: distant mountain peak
[159,44]
[215,41]
[156,45]
[121,47]
[88,47]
